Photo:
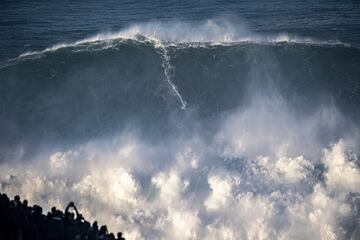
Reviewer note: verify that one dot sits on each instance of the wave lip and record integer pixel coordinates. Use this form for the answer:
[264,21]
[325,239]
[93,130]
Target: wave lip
[214,32]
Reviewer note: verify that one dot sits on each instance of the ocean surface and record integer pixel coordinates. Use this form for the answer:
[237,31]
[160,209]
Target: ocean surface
[183,119]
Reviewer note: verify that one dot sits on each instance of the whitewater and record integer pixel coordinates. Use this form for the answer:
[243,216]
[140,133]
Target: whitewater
[186,130]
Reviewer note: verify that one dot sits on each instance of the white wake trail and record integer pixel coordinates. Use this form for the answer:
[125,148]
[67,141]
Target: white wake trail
[165,58]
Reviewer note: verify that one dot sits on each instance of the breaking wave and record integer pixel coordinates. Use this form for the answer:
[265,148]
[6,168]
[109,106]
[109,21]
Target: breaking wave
[214,32]
[185,131]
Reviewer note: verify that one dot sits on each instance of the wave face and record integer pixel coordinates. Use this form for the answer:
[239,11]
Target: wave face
[193,135]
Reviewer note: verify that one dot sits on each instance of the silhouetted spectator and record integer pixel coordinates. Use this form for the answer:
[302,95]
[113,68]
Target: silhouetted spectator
[55,225]
[103,232]
[111,236]
[94,234]
[119,236]
[19,221]
[40,223]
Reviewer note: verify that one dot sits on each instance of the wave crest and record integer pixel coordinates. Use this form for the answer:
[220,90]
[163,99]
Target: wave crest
[212,31]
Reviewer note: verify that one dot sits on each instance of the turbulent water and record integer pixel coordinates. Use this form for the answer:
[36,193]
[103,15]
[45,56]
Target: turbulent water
[188,130]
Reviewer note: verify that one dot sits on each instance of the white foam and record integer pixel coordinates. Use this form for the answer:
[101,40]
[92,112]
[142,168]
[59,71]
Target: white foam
[220,191]
[213,31]
[151,191]
[342,175]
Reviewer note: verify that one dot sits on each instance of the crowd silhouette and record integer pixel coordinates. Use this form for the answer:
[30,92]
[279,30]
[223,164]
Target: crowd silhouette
[19,221]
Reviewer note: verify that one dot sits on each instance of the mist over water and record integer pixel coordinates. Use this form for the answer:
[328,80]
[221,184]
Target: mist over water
[188,130]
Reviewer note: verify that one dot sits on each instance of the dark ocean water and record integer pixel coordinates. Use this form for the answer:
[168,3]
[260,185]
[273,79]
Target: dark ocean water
[34,25]
[186,120]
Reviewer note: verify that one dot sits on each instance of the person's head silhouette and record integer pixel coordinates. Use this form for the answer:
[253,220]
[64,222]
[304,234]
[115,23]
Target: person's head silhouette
[53,210]
[103,230]
[95,226]
[119,236]
[111,236]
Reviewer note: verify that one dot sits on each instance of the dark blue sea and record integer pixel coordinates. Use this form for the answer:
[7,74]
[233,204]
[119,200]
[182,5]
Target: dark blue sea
[185,119]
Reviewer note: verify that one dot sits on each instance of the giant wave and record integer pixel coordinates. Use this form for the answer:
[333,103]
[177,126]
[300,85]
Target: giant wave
[180,131]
